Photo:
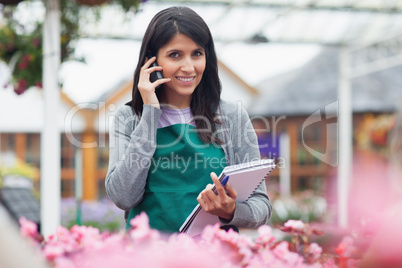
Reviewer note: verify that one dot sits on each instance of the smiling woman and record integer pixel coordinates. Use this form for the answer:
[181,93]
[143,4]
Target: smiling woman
[163,140]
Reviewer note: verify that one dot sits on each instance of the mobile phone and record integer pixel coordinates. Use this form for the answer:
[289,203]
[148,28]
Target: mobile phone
[154,75]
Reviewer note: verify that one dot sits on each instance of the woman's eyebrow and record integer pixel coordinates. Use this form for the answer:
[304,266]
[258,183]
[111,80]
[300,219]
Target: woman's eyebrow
[178,50]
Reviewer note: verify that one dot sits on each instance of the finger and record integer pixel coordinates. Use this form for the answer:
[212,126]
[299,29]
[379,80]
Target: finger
[202,203]
[200,200]
[150,70]
[149,61]
[219,188]
[209,187]
[210,196]
[231,191]
[161,81]
[208,199]
[154,68]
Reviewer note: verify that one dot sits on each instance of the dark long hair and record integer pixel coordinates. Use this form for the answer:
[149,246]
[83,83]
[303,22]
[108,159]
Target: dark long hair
[206,97]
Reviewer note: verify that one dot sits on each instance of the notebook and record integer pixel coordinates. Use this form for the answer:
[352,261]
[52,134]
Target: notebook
[244,178]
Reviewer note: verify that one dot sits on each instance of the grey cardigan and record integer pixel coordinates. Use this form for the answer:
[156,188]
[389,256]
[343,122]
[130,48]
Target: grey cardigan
[133,143]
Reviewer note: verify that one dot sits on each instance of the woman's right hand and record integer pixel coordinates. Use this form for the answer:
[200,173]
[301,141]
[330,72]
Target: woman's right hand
[146,87]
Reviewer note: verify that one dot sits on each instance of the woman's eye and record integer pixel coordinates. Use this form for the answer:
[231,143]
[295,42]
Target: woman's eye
[174,55]
[198,53]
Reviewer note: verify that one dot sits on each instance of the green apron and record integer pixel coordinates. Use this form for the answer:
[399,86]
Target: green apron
[180,169]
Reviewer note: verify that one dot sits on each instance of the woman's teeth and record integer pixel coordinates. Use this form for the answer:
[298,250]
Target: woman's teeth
[185,79]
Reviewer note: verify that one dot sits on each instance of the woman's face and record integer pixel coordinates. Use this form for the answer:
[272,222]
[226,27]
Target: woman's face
[184,62]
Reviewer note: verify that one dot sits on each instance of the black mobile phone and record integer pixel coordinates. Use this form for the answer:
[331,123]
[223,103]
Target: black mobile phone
[154,75]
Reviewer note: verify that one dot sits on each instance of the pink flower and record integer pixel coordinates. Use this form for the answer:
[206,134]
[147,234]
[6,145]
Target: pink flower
[352,263]
[23,64]
[295,224]
[20,87]
[140,221]
[28,228]
[10,47]
[39,85]
[36,42]
[329,263]
[281,250]
[141,231]
[64,262]
[346,247]
[208,234]
[86,246]
[52,251]
[265,235]
[315,250]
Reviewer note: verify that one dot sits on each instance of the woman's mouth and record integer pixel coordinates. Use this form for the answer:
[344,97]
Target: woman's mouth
[185,79]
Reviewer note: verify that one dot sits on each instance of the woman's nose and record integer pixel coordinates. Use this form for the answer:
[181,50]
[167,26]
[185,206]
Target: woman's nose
[187,65]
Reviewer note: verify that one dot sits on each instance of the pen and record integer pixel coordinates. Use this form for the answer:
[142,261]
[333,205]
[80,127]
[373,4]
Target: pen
[225,180]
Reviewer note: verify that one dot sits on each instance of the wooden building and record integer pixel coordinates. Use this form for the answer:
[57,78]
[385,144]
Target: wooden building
[304,104]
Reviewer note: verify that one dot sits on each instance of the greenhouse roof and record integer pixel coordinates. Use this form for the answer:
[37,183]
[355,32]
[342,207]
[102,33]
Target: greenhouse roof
[257,40]
[303,91]
[326,22]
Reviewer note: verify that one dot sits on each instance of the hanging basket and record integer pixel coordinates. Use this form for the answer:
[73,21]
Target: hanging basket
[10,2]
[90,2]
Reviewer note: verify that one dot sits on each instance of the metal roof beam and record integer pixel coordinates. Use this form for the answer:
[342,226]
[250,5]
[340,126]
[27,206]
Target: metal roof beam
[385,8]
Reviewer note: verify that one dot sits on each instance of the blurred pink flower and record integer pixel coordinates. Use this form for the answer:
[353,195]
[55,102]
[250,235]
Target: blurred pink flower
[64,262]
[346,247]
[28,228]
[36,42]
[86,247]
[141,231]
[52,251]
[296,225]
[315,250]
[281,250]
[20,87]
[265,235]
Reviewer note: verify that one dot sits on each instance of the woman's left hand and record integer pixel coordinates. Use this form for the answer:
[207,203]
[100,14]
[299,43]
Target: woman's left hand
[223,203]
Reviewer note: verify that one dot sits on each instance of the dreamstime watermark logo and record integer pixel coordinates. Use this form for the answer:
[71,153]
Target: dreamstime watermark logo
[330,156]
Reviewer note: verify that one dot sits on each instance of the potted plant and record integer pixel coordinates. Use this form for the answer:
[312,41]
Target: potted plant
[22,50]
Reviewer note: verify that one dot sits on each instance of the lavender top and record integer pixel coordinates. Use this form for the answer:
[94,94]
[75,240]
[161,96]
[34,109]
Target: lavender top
[172,116]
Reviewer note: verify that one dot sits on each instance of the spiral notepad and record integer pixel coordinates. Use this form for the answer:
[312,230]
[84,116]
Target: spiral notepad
[244,178]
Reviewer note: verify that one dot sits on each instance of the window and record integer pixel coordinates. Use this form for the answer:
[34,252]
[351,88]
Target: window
[67,152]
[7,142]
[33,149]
[101,188]
[67,188]
[311,138]
[103,151]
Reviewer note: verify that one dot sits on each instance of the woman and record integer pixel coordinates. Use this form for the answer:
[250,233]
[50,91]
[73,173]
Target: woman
[171,140]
